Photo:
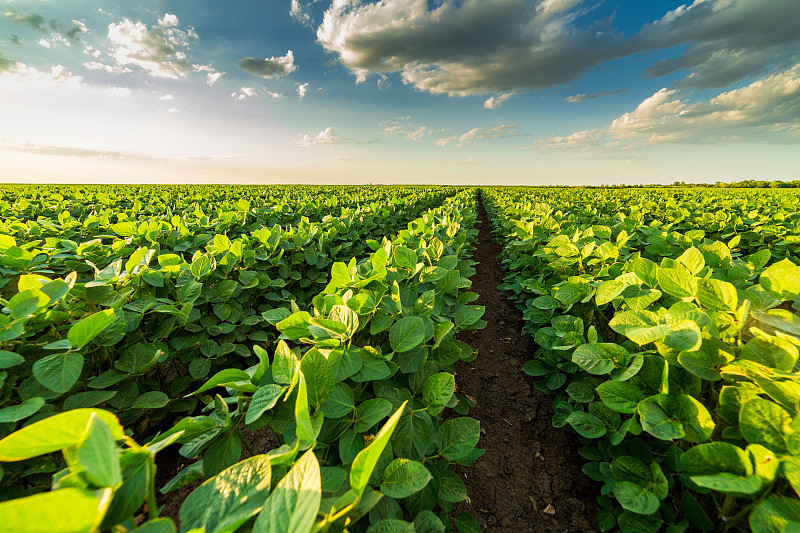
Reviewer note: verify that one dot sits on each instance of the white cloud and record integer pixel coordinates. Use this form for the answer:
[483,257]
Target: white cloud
[43,43]
[119,92]
[467,161]
[767,110]
[327,136]
[302,90]
[496,101]
[299,14]
[212,76]
[243,94]
[479,134]
[173,110]
[111,69]
[403,126]
[158,50]
[58,74]
[416,134]
[167,97]
[269,68]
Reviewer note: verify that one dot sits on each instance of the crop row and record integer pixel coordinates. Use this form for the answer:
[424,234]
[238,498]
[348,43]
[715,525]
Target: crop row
[669,334]
[376,343]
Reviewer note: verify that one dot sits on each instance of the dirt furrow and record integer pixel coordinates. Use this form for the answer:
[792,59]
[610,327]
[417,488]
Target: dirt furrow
[530,477]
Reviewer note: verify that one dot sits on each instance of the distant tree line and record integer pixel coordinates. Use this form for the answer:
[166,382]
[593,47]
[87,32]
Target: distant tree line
[744,184]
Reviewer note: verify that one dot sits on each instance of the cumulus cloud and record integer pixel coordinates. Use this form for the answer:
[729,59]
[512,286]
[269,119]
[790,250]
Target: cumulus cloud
[767,110]
[480,134]
[582,97]
[472,47]
[327,136]
[158,50]
[44,43]
[111,69]
[58,74]
[302,90]
[243,94]
[167,97]
[269,68]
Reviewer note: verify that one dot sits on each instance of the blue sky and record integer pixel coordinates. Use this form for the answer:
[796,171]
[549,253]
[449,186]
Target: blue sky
[413,91]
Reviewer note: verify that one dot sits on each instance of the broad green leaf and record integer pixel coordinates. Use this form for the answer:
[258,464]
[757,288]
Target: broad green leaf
[776,515]
[621,396]
[68,510]
[456,437]
[89,328]
[229,375]
[781,280]
[302,417]
[730,483]
[717,295]
[365,461]
[224,451]
[586,425]
[293,505]
[598,358]
[404,477]
[370,412]
[151,400]
[13,413]
[693,260]
[407,333]
[716,458]
[427,522]
[765,422]
[97,454]
[227,500]
[636,498]
[284,365]
[159,525]
[295,326]
[339,403]
[684,337]
[87,399]
[700,364]
[9,359]
[391,525]
[676,416]
[318,374]
[466,523]
[438,389]
[264,399]
[676,282]
[63,430]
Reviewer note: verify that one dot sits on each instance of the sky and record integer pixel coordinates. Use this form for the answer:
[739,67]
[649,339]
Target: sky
[518,92]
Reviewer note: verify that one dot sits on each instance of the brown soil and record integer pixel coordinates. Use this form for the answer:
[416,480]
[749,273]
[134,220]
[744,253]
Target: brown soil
[530,477]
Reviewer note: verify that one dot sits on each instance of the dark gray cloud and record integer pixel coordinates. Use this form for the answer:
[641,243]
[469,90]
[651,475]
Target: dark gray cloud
[15,39]
[582,97]
[271,67]
[466,47]
[6,64]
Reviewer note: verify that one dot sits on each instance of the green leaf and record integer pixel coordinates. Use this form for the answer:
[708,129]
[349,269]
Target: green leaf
[636,498]
[700,364]
[318,374]
[776,515]
[676,282]
[68,510]
[293,505]
[97,454]
[391,525]
[621,396]
[765,422]
[124,229]
[466,523]
[90,327]
[151,400]
[598,359]
[404,477]
[370,412]
[264,399]
[302,417]
[586,425]
[230,498]
[9,359]
[438,389]
[339,403]
[781,280]
[716,458]
[222,453]
[295,326]
[229,375]
[427,522]
[63,430]
[407,333]
[456,437]
[717,295]
[730,483]
[58,372]
[345,362]
[684,337]
[676,416]
[87,399]
[365,461]
[159,525]
[19,412]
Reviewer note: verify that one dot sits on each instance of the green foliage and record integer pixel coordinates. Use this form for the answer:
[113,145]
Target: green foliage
[678,310]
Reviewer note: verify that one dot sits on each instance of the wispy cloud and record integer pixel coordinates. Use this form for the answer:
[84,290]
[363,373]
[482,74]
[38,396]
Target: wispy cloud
[495,102]
[33,21]
[476,135]
[582,97]
[269,68]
